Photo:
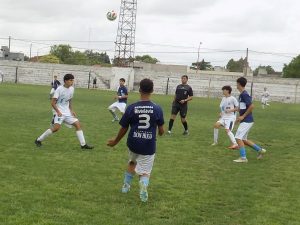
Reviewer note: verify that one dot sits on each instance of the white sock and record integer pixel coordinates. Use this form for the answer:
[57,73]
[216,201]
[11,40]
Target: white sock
[216,135]
[45,135]
[80,137]
[232,139]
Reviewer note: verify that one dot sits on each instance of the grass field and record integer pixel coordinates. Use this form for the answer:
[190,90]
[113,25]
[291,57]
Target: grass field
[192,182]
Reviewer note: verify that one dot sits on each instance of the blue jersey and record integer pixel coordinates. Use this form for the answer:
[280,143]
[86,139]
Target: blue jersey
[143,118]
[122,91]
[245,101]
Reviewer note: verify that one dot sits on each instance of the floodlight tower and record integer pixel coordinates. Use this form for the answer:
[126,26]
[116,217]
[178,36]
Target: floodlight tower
[125,41]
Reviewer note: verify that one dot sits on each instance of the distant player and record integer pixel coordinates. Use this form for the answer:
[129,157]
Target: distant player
[246,122]
[54,85]
[228,106]
[183,94]
[265,98]
[143,117]
[62,104]
[122,96]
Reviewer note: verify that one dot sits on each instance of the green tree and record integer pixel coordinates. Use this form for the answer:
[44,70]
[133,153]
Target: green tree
[49,59]
[63,52]
[96,58]
[201,65]
[268,68]
[146,59]
[292,70]
[236,66]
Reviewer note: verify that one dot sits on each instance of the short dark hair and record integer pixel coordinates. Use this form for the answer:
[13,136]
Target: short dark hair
[228,88]
[122,79]
[146,86]
[185,76]
[242,81]
[68,76]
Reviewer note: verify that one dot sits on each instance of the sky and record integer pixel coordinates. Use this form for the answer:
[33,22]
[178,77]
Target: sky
[169,30]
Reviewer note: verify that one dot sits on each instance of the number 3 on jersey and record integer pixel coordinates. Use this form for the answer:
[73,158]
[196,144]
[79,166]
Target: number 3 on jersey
[144,121]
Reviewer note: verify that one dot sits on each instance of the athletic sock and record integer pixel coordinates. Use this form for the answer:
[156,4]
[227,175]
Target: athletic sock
[144,180]
[185,125]
[113,114]
[171,124]
[256,147]
[128,178]
[45,135]
[216,135]
[80,137]
[242,152]
[231,136]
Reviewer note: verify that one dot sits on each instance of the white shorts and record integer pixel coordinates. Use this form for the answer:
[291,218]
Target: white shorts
[67,119]
[243,130]
[52,91]
[264,101]
[144,163]
[227,123]
[118,105]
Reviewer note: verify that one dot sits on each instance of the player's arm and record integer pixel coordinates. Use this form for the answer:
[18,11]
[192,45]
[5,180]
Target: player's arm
[249,110]
[112,142]
[53,104]
[161,130]
[123,97]
[71,108]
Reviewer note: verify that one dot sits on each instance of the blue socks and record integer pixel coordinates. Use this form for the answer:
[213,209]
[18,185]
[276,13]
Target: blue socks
[256,147]
[243,152]
[128,178]
[145,180]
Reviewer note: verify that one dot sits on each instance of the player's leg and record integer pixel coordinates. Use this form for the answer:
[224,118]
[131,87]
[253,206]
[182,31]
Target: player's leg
[112,109]
[217,126]
[129,174]
[121,107]
[229,124]
[183,113]
[260,151]
[55,127]
[79,133]
[241,135]
[174,112]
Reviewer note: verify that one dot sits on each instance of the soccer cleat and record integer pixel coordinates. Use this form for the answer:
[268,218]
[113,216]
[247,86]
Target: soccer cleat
[38,143]
[234,147]
[143,192]
[169,132]
[241,160]
[186,132]
[261,153]
[86,146]
[125,188]
[115,119]
[214,144]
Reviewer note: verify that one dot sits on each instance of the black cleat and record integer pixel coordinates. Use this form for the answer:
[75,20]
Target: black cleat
[87,147]
[38,143]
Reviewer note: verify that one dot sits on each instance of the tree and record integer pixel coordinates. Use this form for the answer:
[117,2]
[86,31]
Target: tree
[63,52]
[292,70]
[49,59]
[268,68]
[146,59]
[96,58]
[201,65]
[236,66]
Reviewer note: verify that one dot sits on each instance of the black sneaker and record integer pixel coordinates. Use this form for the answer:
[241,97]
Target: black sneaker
[186,132]
[38,143]
[87,147]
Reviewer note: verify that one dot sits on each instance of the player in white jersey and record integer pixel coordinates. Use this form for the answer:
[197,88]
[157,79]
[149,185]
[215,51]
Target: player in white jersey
[228,106]
[265,98]
[62,105]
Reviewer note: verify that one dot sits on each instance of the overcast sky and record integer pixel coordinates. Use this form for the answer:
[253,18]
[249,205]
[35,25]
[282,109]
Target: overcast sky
[261,25]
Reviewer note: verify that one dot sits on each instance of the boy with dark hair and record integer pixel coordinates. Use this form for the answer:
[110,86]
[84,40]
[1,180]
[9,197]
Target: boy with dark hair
[63,112]
[122,95]
[183,94]
[228,107]
[246,122]
[143,117]
[54,85]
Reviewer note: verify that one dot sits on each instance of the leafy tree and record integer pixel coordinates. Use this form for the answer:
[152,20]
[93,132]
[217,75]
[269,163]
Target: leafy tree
[146,59]
[201,65]
[292,70]
[236,66]
[63,52]
[95,58]
[49,59]
[268,68]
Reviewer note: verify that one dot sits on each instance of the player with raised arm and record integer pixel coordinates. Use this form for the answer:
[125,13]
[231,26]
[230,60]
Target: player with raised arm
[144,118]
[62,105]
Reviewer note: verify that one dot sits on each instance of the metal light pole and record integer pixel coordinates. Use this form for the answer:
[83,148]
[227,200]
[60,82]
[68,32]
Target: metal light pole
[198,56]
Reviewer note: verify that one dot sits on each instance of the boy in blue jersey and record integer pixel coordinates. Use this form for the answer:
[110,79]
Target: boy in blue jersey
[143,117]
[246,122]
[122,96]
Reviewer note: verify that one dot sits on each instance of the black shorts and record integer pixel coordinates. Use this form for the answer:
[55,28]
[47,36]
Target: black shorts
[182,108]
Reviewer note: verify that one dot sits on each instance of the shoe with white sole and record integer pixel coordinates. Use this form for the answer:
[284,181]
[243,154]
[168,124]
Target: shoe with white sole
[241,160]
[261,153]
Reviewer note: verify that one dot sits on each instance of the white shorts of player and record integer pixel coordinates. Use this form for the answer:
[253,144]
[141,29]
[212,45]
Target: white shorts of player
[243,130]
[52,91]
[118,105]
[264,100]
[144,163]
[227,123]
[65,118]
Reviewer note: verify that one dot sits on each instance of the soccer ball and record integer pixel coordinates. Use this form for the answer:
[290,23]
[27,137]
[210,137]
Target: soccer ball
[112,15]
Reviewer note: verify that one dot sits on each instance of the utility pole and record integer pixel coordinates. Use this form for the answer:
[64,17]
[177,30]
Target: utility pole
[198,58]
[30,51]
[246,64]
[9,39]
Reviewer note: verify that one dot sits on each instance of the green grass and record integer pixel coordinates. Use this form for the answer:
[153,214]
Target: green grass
[191,183]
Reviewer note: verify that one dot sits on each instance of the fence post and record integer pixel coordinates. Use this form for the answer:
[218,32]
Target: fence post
[16,78]
[89,80]
[167,90]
